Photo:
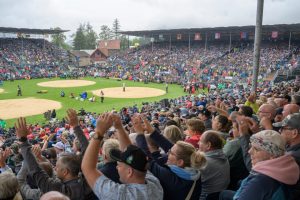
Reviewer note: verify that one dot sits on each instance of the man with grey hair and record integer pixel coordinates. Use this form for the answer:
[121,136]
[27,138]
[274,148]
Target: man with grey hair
[9,187]
[290,131]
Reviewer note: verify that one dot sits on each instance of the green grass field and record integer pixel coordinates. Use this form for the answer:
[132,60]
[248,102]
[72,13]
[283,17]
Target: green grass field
[30,88]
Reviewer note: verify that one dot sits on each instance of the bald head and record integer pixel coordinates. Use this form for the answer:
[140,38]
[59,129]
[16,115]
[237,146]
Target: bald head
[290,109]
[267,110]
[53,195]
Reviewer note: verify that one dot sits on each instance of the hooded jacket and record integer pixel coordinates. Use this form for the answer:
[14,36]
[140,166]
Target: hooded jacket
[216,175]
[269,179]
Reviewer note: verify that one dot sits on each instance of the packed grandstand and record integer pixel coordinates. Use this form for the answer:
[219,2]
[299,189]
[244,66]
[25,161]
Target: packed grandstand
[227,143]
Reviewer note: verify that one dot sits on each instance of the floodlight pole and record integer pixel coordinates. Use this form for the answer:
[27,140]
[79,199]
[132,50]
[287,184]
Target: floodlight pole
[170,42]
[290,40]
[189,44]
[256,54]
[229,43]
[205,41]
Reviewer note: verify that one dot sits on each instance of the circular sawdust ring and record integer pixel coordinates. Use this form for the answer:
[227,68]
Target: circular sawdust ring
[66,83]
[14,108]
[130,92]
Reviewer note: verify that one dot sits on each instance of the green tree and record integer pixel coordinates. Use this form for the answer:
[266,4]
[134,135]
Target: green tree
[91,37]
[105,33]
[116,28]
[124,42]
[59,38]
[79,41]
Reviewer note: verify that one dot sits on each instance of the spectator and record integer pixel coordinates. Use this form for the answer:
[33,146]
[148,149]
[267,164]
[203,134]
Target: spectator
[53,195]
[205,117]
[67,167]
[173,133]
[221,124]
[195,128]
[290,109]
[290,131]
[215,176]
[233,151]
[267,157]
[9,187]
[131,167]
[183,163]
[109,169]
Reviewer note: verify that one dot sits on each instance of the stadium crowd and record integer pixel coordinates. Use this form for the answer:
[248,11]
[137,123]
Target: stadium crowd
[37,58]
[30,58]
[221,145]
[226,144]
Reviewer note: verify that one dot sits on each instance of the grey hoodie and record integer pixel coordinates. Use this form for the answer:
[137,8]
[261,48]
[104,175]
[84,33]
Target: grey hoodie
[216,175]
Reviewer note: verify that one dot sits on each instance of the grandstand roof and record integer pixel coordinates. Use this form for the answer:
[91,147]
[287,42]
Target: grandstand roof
[283,29]
[30,31]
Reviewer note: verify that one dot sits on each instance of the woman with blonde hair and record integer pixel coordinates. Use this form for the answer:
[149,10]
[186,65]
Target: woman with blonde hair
[180,175]
[173,133]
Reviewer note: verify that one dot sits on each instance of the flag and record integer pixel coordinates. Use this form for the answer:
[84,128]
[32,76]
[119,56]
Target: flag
[178,36]
[198,36]
[274,34]
[217,36]
[243,35]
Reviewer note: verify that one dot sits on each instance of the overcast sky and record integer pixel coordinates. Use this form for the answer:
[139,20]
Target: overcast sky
[143,14]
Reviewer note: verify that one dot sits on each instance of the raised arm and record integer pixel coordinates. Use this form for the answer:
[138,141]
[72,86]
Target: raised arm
[122,135]
[158,138]
[73,121]
[244,127]
[90,157]
[44,182]
[25,189]
[140,130]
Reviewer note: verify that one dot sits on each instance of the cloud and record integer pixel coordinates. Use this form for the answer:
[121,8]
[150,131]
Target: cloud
[143,14]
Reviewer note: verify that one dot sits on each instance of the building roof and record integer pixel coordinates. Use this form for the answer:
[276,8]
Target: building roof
[102,51]
[109,44]
[234,31]
[30,31]
[80,54]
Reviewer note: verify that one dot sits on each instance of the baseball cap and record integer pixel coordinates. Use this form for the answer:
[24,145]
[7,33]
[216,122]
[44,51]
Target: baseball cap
[132,156]
[291,120]
[59,145]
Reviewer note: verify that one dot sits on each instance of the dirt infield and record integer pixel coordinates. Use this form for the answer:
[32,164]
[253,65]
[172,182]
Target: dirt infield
[14,108]
[131,92]
[1,90]
[66,83]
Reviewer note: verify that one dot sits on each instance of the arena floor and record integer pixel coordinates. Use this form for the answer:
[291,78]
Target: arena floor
[130,92]
[25,107]
[66,83]
[1,90]
[35,106]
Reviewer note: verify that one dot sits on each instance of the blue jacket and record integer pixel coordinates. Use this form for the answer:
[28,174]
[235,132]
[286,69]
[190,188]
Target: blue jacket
[260,187]
[269,180]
